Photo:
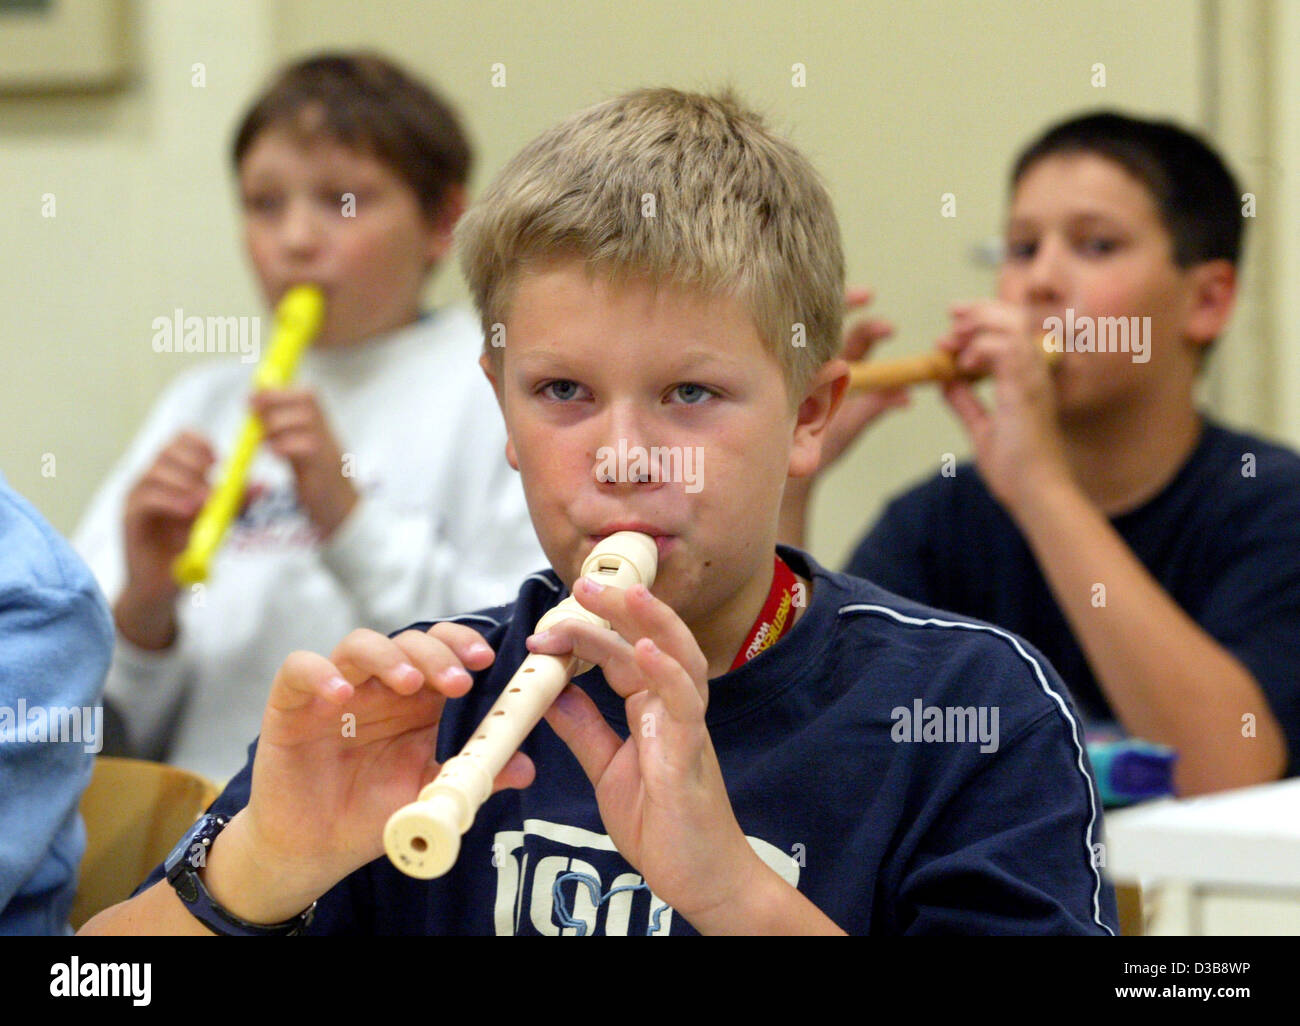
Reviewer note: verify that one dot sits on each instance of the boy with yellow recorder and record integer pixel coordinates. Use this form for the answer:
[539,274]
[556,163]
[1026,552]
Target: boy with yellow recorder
[374,489]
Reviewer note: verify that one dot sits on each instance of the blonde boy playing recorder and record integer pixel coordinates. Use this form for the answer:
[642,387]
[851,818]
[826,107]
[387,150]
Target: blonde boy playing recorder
[781,788]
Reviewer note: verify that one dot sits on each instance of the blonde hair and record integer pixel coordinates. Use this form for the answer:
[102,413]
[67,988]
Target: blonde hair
[683,188]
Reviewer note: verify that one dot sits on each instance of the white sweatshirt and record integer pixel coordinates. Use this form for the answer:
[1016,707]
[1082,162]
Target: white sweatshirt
[441,528]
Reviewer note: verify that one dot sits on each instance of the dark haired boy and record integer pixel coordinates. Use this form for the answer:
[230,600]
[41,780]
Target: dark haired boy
[1150,553]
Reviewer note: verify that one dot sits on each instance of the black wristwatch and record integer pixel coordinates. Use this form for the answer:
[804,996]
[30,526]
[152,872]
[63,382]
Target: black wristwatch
[183,864]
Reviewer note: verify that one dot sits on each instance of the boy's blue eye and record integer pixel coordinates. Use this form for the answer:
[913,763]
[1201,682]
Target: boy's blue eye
[561,391]
[692,394]
[1020,250]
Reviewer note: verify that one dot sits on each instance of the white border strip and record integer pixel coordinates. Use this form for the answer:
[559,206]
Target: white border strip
[1285,258]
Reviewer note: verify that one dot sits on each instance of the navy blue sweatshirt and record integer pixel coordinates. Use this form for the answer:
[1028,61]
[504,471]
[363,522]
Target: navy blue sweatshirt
[1222,538]
[910,772]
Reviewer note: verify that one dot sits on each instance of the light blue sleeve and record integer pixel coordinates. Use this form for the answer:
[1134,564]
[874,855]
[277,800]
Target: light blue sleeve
[56,639]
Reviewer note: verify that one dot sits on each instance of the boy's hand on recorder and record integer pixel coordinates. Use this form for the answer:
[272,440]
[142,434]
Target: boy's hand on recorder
[297,431]
[345,742]
[660,792]
[1017,444]
[160,509]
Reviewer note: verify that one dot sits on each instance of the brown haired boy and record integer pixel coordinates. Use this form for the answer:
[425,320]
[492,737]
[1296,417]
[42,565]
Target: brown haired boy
[381,473]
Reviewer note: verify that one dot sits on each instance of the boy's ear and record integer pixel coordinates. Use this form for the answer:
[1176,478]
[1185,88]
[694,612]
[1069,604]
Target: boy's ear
[443,223]
[821,399]
[485,362]
[1213,296]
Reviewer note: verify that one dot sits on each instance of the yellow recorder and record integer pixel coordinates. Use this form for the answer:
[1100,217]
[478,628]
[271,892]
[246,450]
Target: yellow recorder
[297,320]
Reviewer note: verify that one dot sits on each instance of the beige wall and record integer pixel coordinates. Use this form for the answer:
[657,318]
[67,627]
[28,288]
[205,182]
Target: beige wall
[904,101]
[143,224]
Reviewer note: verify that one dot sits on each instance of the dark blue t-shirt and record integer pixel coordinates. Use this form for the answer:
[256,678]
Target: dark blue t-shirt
[1222,539]
[908,771]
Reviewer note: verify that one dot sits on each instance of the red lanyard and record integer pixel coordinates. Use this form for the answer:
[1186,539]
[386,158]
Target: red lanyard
[774,619]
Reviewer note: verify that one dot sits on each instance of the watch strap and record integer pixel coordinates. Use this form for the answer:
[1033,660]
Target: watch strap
[183,868]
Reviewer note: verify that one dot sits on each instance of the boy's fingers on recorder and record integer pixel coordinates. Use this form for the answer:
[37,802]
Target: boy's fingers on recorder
[180,468]
[579,724]
[297,444]
[445,659]
[157,500]
[995,335]
[518,772]
[286,409]
[189,450]
[683,690]
[635,613]
[177,477]
[968,345]
[183,483]
[989,312]
[282,410]
[640,615]
[682,697]
[468,644]
[304,676]
[860,337]
[366,654]
[183,476]
[592,644]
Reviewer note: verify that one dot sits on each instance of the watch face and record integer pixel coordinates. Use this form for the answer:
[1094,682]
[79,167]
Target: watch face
[206,827]
[174,856]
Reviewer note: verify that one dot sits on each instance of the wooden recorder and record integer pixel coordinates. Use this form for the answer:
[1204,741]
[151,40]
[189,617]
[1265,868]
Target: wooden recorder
[938,365]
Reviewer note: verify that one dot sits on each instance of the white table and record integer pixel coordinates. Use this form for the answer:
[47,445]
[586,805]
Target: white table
[1222,863]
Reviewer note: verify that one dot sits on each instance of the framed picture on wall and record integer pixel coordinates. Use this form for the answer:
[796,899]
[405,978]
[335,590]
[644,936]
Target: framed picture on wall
[62,44]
